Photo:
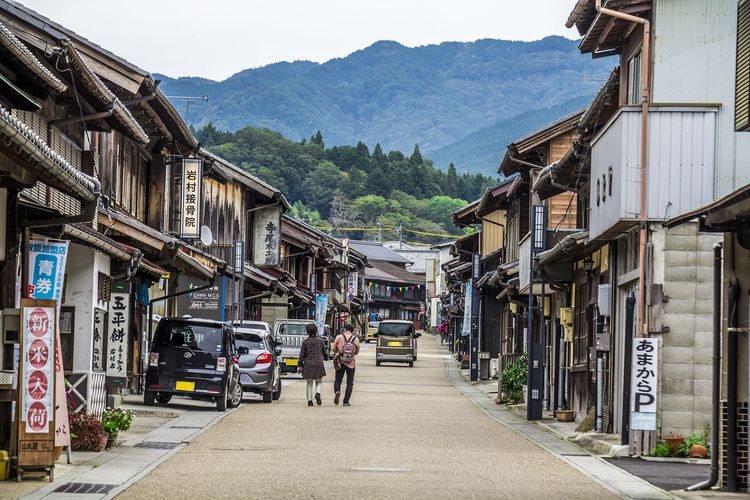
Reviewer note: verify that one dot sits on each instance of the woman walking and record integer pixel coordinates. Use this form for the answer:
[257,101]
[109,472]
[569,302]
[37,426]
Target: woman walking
[311,357]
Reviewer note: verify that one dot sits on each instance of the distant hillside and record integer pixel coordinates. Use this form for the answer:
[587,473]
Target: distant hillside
[458,101]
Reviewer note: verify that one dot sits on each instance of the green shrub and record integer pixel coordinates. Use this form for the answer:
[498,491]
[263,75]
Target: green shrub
[86,432]
[661,450]
[690,441]
[116,420]
[513,378]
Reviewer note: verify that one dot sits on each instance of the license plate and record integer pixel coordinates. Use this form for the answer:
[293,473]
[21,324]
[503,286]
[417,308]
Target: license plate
[394,344]
[184,386]
[292,361]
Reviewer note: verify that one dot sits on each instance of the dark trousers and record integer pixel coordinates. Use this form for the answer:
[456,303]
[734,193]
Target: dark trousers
[349,381]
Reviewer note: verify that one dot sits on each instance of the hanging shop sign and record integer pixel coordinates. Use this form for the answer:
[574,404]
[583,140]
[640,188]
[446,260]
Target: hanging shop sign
[98,360]
[466,326]
[118,326]
[267,236]
[190,219]
[645,372]
[205,303]
[46,268]
[36,408]
[353,286]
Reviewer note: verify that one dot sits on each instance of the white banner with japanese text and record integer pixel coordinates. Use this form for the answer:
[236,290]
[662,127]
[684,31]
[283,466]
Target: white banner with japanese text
[38,368]
[353,286]
[466,326]
[645,372]
[267,236]
[98,361]
[117,335]
[190,219]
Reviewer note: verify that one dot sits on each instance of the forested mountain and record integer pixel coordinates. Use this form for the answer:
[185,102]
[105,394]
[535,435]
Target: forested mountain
[459,102]
[349,186]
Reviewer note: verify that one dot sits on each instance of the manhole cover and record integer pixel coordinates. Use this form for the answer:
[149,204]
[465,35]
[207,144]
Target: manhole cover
[158,445]
[84,488]
[380,469]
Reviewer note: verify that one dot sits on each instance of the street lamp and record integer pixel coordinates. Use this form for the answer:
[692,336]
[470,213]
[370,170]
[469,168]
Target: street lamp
[588,264]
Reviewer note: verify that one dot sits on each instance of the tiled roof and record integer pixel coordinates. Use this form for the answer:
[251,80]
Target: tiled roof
[375,251]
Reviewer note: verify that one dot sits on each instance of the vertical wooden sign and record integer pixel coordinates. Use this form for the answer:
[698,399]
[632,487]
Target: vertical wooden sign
[36,430]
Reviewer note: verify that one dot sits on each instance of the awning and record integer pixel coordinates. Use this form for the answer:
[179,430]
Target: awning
[136,230]
[150,271]
[484,280]
[10,42]
[47,164]
[726,214]
[191,265]
[568,246]
[94,239]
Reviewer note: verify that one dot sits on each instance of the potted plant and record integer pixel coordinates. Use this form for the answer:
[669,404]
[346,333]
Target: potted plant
[86,432]
[513,380]
[675,441]
[694,447]
[661,450]
[115,420]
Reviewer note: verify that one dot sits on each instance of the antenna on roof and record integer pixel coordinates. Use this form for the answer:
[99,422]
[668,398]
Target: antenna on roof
[188,101]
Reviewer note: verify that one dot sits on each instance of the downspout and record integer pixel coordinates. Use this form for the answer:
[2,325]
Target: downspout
[716,378]
[732,346]
[645,99]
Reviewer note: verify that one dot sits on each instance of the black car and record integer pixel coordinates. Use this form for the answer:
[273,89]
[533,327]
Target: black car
[196,358]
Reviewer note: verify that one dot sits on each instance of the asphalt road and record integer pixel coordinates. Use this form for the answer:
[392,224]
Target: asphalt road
[408,434]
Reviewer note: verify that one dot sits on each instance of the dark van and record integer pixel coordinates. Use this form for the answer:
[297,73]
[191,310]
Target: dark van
[196,358]
[396,342]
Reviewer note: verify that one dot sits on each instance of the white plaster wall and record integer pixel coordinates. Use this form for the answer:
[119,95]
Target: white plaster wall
[82,270]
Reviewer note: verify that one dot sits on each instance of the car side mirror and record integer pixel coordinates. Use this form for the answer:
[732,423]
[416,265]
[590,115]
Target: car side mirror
[278,342]
[278,351]
[243,350]
[417,334]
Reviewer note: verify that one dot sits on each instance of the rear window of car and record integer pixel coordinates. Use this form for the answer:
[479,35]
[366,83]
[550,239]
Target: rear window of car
[373,324]
[249,340]
[292,329]
[395,329]
[195,337]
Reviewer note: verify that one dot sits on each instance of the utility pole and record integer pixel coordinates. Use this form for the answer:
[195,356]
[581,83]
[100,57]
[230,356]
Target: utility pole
[401,235]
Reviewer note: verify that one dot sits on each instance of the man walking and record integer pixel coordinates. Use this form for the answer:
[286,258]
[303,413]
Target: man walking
[346,347]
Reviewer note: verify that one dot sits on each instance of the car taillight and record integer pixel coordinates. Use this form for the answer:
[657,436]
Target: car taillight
[153,359]
[221,364]
[411,342]
[263,358]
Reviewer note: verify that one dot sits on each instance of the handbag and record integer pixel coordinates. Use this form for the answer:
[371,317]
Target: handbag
[336,362]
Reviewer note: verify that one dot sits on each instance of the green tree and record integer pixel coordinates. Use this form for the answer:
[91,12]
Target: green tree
[451,181]
[371,207]
[320,186]
[318,139]
[440,209]
[298,210]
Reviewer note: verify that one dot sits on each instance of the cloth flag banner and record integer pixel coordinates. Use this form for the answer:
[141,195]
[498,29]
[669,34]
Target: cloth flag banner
[645,372]
[38,368]
[353,288]
[466,326]
[321,307]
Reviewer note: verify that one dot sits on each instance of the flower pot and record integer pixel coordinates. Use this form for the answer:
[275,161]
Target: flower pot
[674,442]
[111,440]
[698,451]
[565,415]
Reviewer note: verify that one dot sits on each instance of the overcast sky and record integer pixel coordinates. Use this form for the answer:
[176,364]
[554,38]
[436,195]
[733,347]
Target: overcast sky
[217,38]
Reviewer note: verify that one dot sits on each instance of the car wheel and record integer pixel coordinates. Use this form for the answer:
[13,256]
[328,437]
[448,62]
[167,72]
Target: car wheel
[149,398]
[236,398]
[221,401]
[163,398]
[277,392]
[411,363]
[377,363]
[267,396]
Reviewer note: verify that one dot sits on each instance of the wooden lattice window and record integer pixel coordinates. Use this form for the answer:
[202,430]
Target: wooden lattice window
[104,287]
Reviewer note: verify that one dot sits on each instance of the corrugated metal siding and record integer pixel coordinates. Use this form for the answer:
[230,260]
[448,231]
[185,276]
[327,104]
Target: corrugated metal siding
[695,46]
[681,165]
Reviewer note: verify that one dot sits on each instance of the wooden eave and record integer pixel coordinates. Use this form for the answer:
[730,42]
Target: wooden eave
[607,34]
[495,198]
[466,215]
[173,122]
[12,44]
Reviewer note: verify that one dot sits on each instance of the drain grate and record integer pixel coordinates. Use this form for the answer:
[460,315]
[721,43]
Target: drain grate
[157,445]
[84,488]
[379,469]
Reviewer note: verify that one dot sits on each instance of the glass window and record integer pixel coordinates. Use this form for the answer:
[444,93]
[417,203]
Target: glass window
[634,79]
[195,337]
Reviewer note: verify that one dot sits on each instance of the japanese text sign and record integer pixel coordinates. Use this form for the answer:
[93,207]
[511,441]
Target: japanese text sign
[46,268]
[192,175]
[267,236]
[466,326]
[38,368]
[645,371]
[117,334]
[321,307]
[98,362]
[353,285]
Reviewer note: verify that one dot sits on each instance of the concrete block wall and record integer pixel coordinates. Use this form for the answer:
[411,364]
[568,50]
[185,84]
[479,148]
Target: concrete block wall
[685,258]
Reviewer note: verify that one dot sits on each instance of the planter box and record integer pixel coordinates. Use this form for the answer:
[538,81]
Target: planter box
[565,415]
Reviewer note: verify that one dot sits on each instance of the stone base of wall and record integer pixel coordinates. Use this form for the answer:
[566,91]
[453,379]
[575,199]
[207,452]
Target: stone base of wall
[743,465]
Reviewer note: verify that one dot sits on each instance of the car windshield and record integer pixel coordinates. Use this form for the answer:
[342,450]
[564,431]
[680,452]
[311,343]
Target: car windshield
[373,324]
[292,329]
[249,340]
[194,337]
[395,329]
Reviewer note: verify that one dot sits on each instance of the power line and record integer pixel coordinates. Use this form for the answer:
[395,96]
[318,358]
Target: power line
[424,233]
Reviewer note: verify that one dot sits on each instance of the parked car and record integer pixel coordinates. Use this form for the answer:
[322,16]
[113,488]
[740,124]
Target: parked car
[291,333]
[196,358]
[397,342]
[371,330]
[259,368]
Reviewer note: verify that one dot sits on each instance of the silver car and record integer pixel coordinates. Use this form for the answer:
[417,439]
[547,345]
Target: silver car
[259,368]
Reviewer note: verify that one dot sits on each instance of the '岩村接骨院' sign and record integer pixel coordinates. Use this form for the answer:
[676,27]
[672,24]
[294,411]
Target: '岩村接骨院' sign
[190,215]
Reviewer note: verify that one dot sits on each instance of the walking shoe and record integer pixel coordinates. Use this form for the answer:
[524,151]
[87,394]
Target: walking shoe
[347,404]
[309,403]
[336,397]
[317,399]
